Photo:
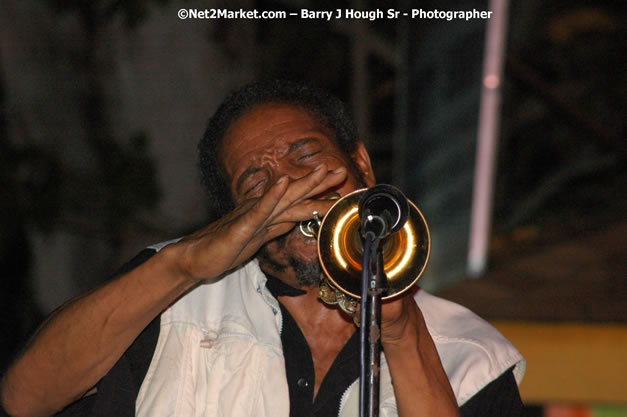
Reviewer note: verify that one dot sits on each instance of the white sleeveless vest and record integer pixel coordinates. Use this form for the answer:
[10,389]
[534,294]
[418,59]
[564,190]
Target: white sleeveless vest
[219,354]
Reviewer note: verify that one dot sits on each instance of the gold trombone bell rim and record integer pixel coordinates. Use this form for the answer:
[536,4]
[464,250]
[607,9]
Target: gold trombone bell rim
[340,250]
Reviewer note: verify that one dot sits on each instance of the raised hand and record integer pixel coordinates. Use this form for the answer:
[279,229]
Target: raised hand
[230,241]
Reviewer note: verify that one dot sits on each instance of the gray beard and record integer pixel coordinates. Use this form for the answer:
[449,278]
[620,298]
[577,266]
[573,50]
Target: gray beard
[307,272]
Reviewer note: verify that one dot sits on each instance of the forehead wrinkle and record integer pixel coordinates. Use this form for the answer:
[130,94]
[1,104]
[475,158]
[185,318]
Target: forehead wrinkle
[270,160]
[278,127]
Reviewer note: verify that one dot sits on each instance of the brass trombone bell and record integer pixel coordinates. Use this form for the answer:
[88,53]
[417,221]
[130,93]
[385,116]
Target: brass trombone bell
[340,250]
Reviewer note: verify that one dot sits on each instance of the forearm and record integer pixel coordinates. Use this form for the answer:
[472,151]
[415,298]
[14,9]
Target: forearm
[82,341]
[85,338]
[421,386]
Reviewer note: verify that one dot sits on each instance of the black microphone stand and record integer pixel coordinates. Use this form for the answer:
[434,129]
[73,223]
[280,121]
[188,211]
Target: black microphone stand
[373,279]
[383,210]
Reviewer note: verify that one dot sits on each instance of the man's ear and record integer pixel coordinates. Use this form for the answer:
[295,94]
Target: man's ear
[362,159]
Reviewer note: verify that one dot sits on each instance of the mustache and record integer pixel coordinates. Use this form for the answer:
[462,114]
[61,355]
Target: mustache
[307,272]
[281,242]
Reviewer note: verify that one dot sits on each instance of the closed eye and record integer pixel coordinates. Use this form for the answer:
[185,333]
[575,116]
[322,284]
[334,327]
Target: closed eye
[304,149]
[259,185]
[307,156]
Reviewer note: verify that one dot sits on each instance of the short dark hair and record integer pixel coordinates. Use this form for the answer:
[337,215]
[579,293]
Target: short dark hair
[323,106]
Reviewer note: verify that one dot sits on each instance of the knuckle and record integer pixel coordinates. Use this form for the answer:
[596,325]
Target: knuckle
[286,212]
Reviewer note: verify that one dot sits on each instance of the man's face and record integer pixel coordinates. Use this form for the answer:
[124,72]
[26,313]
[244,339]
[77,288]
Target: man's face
[273,140]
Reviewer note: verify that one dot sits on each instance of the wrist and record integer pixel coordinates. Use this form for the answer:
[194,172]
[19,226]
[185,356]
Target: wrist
[402,348]
[170,259]
[404,331]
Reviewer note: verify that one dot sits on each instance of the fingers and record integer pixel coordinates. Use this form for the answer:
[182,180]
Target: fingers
[255,213]
[286,202]
[296,204]
[332,178]
[284,197]
[314,183]
[239,234]
[304,211]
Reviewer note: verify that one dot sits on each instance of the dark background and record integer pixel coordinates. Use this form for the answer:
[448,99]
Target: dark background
[102,102]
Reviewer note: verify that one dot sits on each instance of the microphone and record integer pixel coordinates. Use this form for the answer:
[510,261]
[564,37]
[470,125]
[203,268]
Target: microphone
[383,210]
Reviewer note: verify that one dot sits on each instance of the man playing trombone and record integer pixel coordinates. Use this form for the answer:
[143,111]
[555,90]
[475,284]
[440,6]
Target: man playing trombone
[227,320]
